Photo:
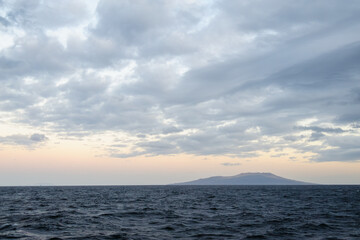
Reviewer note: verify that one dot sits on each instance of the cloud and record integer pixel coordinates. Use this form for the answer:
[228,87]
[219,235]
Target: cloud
[37,14]
[38,137]
[279,155]
[229,164]
[4,22]
[24,140]
[202,78]
[344,148]
[321,130]
[316,136]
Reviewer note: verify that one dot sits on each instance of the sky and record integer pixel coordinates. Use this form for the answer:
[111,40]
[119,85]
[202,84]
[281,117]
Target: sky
[156,92]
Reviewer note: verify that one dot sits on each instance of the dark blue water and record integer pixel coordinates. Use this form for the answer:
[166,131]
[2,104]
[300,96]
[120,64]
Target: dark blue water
[184,212]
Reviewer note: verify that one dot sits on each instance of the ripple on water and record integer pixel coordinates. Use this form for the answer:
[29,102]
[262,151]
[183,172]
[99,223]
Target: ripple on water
[186,212]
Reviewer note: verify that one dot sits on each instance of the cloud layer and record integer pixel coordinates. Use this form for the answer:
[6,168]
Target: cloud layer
[196,77]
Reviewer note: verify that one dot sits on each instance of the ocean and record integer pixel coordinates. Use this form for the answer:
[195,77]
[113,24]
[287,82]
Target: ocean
[180,212]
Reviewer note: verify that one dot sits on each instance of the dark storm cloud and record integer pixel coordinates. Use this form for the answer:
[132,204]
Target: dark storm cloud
[207,78]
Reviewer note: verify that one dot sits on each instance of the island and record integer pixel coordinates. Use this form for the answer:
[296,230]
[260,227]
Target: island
[246,179]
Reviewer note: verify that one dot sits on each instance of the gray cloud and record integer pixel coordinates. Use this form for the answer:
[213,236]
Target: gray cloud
[316,136]
[344,149]
[229,164]
[24,140]
[279,155]
[322,130]
[222,78]
[38,137]
[127,21]
[4,22]
[37,14]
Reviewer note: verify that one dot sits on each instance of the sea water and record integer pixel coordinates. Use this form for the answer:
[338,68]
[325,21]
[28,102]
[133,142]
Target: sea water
[183,212]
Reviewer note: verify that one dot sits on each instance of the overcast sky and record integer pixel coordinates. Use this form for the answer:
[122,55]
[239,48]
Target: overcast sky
[238,81]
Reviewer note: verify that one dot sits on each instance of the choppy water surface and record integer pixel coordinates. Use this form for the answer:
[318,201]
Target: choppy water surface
[185,212]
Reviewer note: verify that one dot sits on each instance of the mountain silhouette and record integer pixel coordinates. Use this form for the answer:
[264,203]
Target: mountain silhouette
[245,179]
